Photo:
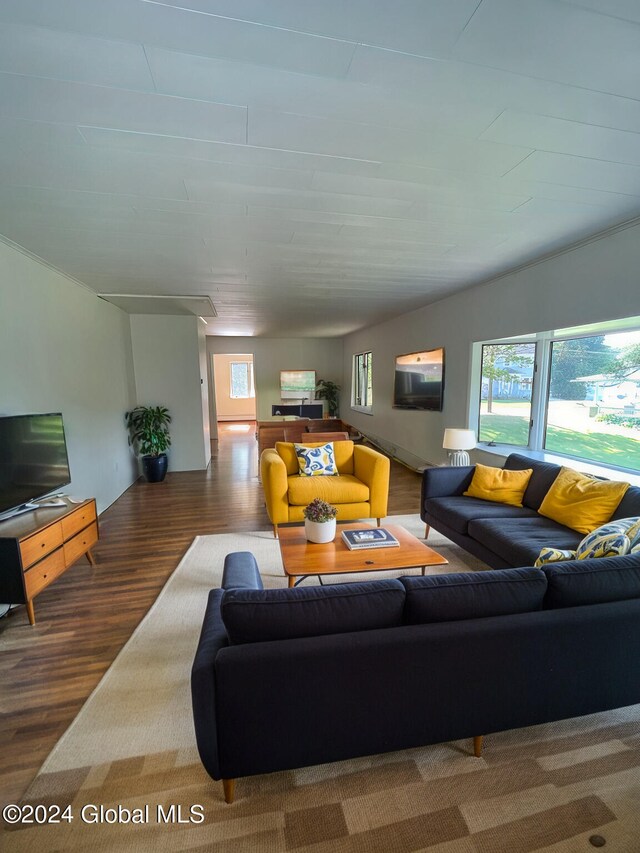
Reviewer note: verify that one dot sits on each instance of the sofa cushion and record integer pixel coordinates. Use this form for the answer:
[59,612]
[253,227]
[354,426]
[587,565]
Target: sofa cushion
[581,502]
[344,489]
[579,582]
[456,511]
[519,541]
[253,616]
[316,461]
[629,505]
[541,480]
[473,595]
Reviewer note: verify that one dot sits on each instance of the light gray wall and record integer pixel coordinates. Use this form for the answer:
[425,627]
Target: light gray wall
[271,355]
[166,358]
[591,283]
[204,392]
[62,349]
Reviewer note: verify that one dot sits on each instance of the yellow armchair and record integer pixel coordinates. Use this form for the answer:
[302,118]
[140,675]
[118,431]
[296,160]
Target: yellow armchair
[359,490]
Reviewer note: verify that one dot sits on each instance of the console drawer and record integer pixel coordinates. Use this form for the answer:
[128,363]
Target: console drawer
[78,520]
[41,575]
[80,544]
[42,543]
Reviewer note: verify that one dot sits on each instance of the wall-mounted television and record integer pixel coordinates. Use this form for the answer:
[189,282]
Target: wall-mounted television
[33,459]
[419,380]
[297,384]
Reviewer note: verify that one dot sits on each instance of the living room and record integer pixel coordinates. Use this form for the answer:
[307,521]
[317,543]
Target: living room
[65,349]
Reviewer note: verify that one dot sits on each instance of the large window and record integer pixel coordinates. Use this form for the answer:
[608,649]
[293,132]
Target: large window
[577,396]
[593,410]
[362,382]
[241,380]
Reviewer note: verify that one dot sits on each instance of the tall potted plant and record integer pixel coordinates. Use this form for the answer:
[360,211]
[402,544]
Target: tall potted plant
[149,435]
[329,391]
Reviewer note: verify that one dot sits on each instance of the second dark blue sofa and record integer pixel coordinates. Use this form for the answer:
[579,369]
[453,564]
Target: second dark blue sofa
[501,535]
[285,678]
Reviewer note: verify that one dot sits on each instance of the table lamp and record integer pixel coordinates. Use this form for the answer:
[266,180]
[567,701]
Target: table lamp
[457,442]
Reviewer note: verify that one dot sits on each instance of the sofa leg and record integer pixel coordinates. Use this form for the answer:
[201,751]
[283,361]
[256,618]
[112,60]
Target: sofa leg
[229,786]
[477,745]
[275,531]
[426,531]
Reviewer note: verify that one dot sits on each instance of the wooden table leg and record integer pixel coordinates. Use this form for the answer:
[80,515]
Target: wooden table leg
[30,612]
[291,581]
[91,558]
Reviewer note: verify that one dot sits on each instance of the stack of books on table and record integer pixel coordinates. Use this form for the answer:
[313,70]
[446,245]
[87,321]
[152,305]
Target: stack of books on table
[377,537]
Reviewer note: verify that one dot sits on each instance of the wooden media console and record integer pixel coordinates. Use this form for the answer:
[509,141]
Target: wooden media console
[37,547]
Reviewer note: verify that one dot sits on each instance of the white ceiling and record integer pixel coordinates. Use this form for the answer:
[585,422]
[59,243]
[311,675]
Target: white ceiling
[313,167]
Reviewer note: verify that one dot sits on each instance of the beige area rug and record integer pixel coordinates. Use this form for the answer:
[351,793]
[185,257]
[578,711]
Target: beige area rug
[130,753]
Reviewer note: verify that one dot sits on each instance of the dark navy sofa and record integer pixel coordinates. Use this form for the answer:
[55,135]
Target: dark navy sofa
[500,535]
[293,677]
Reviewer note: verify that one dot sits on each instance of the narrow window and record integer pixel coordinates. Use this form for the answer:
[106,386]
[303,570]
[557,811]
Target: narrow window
[241,380]
[505,398]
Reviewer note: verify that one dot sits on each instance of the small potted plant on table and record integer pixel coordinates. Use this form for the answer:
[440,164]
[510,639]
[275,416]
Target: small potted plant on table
[320,521]
[149,434]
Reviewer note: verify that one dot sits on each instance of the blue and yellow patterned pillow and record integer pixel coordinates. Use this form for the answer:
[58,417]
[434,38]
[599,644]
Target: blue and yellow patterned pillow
[553,555]
[611,540]
[316,461]
[614,539]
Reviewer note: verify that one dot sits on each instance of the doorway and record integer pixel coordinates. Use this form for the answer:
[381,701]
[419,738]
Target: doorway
[234,386]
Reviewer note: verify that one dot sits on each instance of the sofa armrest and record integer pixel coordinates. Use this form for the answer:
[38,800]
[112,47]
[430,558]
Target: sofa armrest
[241,571]
[445,481]
[213,637]
[273,473]
[373,468]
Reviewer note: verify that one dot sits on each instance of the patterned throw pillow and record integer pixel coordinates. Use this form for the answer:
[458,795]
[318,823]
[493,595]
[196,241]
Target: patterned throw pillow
[316,461]
[610,540]
[554,555]
[613,539]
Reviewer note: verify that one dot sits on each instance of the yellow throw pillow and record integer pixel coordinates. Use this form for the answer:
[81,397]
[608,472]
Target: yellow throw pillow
[580,502]
[499,485]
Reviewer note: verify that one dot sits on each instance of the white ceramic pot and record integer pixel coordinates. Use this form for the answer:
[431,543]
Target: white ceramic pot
[320,531]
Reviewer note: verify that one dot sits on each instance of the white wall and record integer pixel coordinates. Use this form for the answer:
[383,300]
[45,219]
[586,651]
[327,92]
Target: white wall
[591,283]
[166,358]
[271,355]
[204,392]
[62,349]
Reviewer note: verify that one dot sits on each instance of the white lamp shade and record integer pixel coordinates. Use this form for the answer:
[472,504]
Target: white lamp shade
[459,439]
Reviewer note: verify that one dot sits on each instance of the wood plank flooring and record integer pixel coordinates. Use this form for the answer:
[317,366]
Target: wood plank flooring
[83,620]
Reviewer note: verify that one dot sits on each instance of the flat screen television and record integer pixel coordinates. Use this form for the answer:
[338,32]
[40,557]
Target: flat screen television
[33,458]
[297,384]
[419,380]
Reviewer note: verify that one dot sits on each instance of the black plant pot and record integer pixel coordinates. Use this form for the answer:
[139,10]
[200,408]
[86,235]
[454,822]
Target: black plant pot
[154,468]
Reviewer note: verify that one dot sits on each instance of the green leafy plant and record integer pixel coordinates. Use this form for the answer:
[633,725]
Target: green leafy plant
[319,511]
[149,429]
[329,391]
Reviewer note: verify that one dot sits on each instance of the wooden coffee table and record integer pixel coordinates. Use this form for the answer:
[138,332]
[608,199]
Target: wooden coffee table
[301,558]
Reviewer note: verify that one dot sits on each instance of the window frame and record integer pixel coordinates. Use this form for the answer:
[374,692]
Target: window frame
[540,391]
[356,372]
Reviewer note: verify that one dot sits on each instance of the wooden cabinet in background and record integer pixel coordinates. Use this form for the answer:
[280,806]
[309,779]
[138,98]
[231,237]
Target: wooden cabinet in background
[37,547]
